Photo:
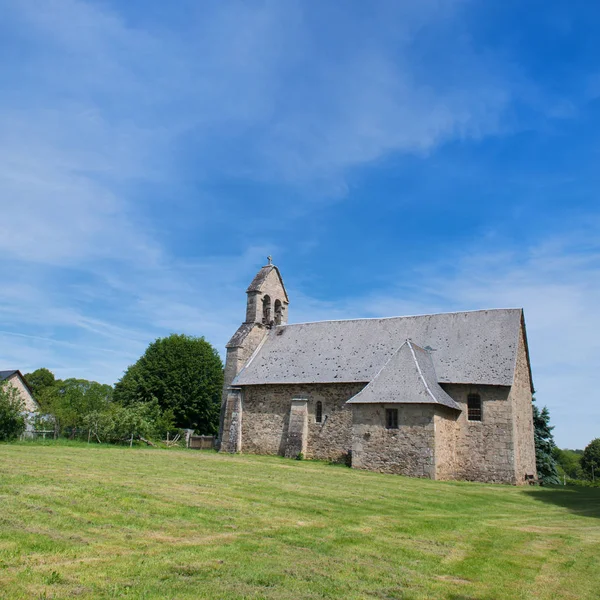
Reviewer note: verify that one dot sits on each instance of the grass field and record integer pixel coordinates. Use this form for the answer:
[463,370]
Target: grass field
[108,522]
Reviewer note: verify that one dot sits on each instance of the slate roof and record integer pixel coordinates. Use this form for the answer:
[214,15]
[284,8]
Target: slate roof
[407,377]
[261,276]
[6,374]
[477,347]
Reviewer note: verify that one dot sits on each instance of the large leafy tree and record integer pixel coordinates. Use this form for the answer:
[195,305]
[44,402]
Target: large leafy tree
[544,446]
[590,461]
[185,375]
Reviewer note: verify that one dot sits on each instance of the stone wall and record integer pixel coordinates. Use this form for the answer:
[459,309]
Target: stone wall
[445,424]
[408,450]
[238,356]
[297,432]
[30,404]
[231,425]
[266,411]
[521,399]
[271,287]
[484,449]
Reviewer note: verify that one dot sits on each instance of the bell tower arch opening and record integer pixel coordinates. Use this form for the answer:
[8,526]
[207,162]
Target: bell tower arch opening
[278,312]
[266,310]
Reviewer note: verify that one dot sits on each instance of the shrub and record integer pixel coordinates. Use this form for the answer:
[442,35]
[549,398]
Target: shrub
[12,419]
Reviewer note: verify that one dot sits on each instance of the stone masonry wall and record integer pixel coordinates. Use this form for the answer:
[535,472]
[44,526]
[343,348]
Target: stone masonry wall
[30,404]
[271,287]
[408,450]
[297,433]
[266,418]
[231,428]
[484,449]
[237,357]
[521,399]
[445,421]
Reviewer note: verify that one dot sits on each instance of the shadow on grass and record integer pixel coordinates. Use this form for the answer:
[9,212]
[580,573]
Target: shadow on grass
[582,501]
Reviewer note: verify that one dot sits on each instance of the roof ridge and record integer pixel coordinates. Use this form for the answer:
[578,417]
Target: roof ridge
[421,372]
[457,312]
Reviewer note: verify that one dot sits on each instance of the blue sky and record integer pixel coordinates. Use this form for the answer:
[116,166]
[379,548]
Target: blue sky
[394,158]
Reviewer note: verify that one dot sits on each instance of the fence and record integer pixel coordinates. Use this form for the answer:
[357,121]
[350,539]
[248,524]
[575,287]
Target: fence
[35,434]
[202,442]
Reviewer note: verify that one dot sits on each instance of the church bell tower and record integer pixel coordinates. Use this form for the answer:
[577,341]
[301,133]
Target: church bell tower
[266,307]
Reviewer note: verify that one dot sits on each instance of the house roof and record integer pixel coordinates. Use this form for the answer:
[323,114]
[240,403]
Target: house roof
[6,374]
[478,347]
[407,377]
[260,278]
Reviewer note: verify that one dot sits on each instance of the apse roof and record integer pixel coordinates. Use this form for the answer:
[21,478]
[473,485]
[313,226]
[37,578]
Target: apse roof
[408,377]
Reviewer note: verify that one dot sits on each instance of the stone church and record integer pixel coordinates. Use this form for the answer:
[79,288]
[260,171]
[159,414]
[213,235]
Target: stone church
[444,396]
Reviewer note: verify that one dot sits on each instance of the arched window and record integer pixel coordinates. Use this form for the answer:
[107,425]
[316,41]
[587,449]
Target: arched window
[278,312]
[474,407]
[319,412]
[266,310]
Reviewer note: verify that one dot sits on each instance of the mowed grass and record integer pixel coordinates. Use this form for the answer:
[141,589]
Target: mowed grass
[108,522]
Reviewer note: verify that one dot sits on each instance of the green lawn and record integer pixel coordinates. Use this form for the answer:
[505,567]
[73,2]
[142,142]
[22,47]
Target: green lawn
[108,522]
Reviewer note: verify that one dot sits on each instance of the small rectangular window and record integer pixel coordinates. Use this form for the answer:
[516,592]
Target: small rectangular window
[319,412]
[474,407]
[391,418]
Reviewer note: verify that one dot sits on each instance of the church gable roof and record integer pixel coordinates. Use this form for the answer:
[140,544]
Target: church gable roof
[261,277]
[407,377]
[477,347]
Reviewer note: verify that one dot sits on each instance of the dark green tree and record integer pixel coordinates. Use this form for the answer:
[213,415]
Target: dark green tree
[185,375]
[42,384]
[590,461]
[12,419]
[544,446]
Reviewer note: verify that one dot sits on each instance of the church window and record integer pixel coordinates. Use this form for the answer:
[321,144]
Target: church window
[277,312]
[474,407]
[319,412]
[266,310]
[391,418]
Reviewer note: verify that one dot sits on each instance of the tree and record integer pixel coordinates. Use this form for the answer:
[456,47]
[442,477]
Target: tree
[42,384]
[590,461]
[544,446]
[39,380]
[570,462]
[184,374]
[12,418]
[72,399]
